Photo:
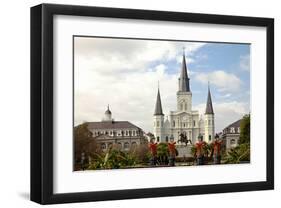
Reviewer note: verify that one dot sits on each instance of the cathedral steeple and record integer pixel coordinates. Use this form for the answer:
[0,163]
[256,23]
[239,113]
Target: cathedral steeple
[209,105]
[184,80]
[158,105]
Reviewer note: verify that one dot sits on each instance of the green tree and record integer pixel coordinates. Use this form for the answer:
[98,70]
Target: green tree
[141,153]
[207,149]
[238,154]
[162,153]
[193,150]
[245,130]
[83,142]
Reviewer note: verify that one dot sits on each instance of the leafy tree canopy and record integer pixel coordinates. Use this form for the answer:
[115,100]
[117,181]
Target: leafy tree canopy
[245,130]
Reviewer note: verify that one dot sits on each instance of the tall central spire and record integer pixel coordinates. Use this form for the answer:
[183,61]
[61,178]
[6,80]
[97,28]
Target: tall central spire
[158,105]
[184,80]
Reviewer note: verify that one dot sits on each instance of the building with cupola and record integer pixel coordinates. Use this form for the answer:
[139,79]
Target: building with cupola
[108,132]
[184,120]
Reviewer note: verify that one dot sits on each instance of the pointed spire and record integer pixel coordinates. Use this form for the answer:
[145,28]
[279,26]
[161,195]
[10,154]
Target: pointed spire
[209,105]
[184,80]
[158,105]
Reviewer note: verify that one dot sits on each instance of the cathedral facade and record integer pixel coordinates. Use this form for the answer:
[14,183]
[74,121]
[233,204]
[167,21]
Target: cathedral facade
[184,120]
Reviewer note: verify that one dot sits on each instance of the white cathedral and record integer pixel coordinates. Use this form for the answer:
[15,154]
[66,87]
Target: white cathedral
[184,120]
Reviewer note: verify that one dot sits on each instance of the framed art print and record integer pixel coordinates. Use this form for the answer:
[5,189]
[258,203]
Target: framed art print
[138,103]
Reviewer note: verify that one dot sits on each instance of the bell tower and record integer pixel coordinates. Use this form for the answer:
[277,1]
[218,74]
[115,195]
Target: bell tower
[158,119]
[184,95]
[209,119]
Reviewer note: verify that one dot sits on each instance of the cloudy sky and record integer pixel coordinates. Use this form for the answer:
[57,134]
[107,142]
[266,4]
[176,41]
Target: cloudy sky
[124,74]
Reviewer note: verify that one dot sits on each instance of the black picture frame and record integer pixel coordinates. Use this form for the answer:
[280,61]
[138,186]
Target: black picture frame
[42,103]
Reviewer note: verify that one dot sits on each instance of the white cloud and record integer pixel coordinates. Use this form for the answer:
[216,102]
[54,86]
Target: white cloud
[131,98]
[225,82]
[125,55]
[120,73]
[245,62]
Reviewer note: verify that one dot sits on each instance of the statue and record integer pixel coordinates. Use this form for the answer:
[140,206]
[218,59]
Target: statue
[216,149]
[199,152]
[183,139]
[153,150]
[172,151]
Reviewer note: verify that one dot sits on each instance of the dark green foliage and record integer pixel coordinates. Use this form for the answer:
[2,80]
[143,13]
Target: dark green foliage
[162,153]
[238,154]
[245,130]
[82,138]
[193,150]
[207,149]
[141,153]
[113,159]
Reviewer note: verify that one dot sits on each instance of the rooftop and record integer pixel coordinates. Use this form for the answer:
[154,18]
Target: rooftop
[235,124]
[111,125]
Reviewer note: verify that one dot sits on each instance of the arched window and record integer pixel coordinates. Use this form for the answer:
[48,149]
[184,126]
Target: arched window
[158,139]
[103,146]
[119,145]
[126,145]
[134,144]
[109,145]
[232,141]
[210,137]
[174,123]
[167,138]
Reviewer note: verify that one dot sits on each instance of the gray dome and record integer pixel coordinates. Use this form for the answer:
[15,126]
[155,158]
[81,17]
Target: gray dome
[107,112]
